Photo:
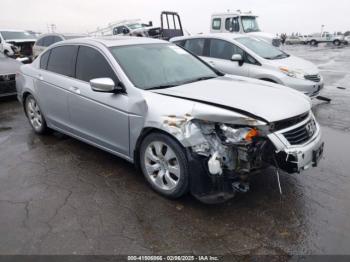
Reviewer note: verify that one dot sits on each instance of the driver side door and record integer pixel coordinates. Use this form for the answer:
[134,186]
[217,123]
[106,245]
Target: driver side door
[99,118]
[219,56]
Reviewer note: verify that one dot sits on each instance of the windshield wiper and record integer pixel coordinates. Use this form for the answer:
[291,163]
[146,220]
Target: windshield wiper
[199,79]
[161,87]
[278,56]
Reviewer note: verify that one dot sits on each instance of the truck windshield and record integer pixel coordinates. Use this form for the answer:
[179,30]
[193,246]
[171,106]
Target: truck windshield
[9,35]
[262,48]
[250,24]
[157,66]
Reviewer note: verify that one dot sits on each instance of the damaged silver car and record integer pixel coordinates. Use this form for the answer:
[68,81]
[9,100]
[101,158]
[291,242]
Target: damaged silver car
[187,126]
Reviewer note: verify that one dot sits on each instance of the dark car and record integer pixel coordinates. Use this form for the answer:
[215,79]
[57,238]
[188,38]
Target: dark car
[8,69]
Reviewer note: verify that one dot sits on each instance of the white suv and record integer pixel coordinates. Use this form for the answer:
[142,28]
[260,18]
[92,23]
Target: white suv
[247,56]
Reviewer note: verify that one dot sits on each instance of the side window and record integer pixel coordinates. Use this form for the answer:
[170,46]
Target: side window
[92,64]
[62,60]
[223,50]
[44,59]
[180,43]
[48,40]
[196,46]
[216,24]
[232,24]
[56,39]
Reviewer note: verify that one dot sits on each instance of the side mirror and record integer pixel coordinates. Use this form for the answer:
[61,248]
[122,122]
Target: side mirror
[238,58]
[104,85]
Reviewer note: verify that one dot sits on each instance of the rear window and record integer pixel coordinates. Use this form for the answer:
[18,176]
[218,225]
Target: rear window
[62,60]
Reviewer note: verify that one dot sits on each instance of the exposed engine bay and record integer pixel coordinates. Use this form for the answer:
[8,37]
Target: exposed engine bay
[226,156]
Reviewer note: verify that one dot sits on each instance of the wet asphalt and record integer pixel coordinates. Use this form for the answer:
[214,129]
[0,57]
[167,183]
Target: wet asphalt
[61,196]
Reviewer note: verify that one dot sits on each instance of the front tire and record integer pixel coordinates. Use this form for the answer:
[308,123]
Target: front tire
[35,117]
[313,42]
[336,43]
[164,165]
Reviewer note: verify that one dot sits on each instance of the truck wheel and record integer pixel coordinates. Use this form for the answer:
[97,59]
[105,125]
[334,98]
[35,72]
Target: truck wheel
[164,165]
[35,117]
[336,42]
[313,42]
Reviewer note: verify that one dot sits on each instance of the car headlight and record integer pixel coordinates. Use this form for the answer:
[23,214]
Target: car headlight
[292,73]
[237,135]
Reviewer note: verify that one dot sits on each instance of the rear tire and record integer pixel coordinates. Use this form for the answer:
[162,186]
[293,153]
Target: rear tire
[336,42]
[34,115]
[165,166]
[313,42]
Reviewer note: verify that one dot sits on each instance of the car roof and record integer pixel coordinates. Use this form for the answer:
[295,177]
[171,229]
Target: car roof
[110,41]
[64,35]
[234,14]
[227,36]
[12,30]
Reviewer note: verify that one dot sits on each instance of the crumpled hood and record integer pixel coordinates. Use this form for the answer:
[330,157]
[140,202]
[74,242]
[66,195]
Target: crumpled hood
[268,101]
[296,64]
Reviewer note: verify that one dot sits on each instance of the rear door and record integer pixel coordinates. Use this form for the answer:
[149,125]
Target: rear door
[101,118]
[53,84]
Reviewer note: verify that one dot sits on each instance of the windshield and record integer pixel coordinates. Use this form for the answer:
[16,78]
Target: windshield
[8,35]
[250,24]
[135,26]
[262,48]
[155,66]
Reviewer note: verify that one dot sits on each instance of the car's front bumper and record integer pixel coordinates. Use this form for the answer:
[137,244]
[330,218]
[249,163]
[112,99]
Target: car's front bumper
[309,88]
[297,158]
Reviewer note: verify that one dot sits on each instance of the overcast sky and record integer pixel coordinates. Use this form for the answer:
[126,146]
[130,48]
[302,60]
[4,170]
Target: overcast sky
[80,16]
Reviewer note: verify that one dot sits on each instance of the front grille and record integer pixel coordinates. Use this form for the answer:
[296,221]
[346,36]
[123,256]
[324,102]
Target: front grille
[279,125]
[313,78]
[301,134]
[7,84]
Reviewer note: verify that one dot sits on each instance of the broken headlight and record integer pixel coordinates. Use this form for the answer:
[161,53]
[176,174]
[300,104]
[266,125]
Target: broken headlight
[292,73]
[237,135]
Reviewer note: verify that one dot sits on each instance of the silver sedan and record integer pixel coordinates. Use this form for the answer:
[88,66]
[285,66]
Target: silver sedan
[186,125]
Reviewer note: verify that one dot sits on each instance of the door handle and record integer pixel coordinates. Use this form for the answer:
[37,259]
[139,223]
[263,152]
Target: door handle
[75,90]
[40,77]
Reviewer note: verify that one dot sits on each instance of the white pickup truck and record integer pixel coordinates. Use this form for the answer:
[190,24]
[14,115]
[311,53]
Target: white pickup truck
[326,37]
[242,23]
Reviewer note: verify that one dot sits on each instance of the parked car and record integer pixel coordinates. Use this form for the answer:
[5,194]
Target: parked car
[16,43]
[8,69]
[188,126]
[326,37]
[241,23]
[294,40]
[252,57]
[46,40]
